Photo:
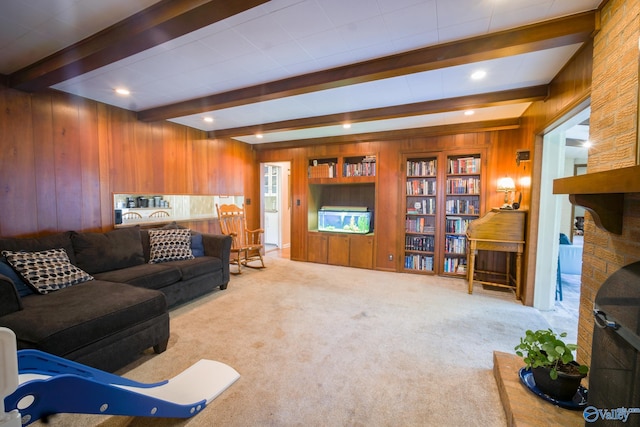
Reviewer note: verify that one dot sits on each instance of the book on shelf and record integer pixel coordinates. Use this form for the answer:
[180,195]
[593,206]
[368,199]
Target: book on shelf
[417,187]
[462,206]
[470,185]
[464,165]
[365,167]
[422,167]
[322,170]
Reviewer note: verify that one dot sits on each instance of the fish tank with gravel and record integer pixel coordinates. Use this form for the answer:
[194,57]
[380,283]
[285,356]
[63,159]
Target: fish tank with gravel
[345,219]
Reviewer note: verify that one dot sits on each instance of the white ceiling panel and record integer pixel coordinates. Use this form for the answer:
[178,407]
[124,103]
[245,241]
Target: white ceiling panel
[285,38]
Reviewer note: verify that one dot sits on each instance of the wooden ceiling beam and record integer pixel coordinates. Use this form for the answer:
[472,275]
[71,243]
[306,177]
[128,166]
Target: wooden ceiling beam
[513,96]
[563,31]
[483,126]
[153,26]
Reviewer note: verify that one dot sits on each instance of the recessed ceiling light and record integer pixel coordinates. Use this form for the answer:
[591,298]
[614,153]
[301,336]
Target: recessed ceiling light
[259,135]
[122,91]
[477,75]
[347,125]
[469,113]
[208,119]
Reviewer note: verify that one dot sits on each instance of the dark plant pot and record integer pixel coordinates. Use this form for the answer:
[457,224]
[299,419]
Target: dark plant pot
[563,388]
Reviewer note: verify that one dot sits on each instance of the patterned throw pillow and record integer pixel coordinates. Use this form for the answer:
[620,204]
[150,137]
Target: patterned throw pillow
[169,245]
[46,271]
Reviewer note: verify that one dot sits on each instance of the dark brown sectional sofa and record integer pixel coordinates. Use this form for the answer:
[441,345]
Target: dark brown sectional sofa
[108,321]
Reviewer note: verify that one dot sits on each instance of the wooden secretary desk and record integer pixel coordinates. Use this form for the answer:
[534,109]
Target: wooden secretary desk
[500,230]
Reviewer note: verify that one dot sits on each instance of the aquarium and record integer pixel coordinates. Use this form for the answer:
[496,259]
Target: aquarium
[345,219]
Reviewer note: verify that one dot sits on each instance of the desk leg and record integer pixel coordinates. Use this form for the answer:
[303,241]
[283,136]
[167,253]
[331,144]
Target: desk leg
[518,268]
[471,262]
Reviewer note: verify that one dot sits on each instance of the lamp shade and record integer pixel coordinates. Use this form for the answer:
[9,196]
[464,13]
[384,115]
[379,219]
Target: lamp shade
[506,184]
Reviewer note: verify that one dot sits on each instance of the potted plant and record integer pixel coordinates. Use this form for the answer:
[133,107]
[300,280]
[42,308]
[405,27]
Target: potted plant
[551,362]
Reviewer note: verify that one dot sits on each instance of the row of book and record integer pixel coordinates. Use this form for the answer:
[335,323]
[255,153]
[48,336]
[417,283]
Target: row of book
[464,165]
[421,187]
[455,244]
[418,262]
[422,167]
[367,167]
[470,185]
[456,225]
[323,170]
[419,243]
[419,225]
[421,207]
[462,206]
[455,265]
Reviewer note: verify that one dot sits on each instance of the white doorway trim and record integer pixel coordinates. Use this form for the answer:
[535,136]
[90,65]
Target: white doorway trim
[550,208]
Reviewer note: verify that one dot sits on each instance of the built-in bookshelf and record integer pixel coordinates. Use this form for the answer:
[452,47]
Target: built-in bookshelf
[420,207]
[347,169]
[341,181]
[462,205]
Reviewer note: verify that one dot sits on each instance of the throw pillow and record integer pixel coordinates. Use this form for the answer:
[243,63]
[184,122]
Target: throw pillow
[21,287]
[197,245]
[169,245]
[46,271]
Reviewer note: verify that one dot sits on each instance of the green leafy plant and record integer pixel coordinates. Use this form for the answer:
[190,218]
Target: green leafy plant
[545,348]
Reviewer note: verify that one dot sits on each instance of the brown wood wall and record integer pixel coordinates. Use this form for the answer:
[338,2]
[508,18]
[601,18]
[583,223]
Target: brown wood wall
[63,157]
[500,147]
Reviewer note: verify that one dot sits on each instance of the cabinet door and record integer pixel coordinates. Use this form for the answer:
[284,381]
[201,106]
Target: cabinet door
[361,251]
[338,250]
[317,248]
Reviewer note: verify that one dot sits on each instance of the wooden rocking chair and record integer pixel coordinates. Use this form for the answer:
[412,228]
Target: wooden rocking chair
[246,245]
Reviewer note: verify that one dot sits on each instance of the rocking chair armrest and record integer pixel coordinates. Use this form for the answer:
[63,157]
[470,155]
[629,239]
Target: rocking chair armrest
[257,230]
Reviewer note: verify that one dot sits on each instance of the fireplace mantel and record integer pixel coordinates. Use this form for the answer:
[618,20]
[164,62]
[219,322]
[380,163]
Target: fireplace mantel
[602,194]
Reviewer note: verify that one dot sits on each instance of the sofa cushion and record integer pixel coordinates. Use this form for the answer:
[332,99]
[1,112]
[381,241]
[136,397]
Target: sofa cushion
[66,320]
[22,288]
[169,245]
[98,252]
[46,271]
[197,267]
[152,276]
[197,245]
[53,241]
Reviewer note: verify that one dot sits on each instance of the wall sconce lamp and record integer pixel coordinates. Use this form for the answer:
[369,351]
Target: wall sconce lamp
[507,186]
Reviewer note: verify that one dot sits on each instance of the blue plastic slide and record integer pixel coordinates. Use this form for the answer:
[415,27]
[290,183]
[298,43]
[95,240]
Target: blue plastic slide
[49,385]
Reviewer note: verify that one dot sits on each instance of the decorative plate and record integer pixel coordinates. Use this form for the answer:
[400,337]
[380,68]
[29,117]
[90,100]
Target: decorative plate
[578,403]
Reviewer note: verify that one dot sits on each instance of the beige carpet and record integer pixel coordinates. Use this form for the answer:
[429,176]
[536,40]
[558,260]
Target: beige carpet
[320,345]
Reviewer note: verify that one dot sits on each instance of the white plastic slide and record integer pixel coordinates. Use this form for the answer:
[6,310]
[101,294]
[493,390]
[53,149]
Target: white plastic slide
[48,384]
[8,376]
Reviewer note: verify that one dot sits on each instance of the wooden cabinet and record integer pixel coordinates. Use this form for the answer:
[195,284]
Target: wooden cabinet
[441,196]
[361,251]
[346,169]
[462,205]
[317,247]
[349,250]
[340,181]
[420,213]
[339,249]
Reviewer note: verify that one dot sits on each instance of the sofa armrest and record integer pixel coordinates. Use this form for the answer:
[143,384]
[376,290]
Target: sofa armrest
[9,299]
[219,246]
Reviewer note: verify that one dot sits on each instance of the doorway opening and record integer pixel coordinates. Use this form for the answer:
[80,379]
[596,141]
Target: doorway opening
[275,206]
[560,227]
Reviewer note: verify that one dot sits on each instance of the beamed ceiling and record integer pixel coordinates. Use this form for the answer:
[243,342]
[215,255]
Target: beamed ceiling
[294,71]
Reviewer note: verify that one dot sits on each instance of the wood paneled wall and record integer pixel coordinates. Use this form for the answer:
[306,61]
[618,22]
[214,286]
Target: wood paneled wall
[500,147]
[63,157]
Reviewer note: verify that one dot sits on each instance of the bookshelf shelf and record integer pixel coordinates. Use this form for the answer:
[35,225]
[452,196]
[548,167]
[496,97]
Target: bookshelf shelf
[421,213]
[462,205]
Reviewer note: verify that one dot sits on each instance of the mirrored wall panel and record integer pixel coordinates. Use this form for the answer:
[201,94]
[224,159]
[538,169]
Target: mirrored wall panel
[143,209]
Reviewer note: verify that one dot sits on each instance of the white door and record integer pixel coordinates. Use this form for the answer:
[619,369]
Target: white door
[271,205]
